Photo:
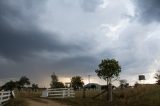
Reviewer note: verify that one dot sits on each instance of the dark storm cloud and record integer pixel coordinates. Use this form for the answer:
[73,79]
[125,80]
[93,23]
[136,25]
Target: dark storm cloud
[16,44]
[90,5]
[23,10]
[76,64]
[36,40]
[27,49]
[148,10]
[20,37]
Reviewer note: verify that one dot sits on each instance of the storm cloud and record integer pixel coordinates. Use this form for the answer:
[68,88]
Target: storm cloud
[25,47]
[70,37]
[21,37]
[148,10]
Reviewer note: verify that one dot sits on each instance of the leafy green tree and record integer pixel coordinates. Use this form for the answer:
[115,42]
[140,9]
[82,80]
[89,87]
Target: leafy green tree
[77,82]
[108,70]
[157,76]
[11,85]
[55,83]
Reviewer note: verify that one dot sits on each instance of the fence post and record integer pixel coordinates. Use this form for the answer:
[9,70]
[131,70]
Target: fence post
[68,92]
[13,94]
[45,93]
[64,93]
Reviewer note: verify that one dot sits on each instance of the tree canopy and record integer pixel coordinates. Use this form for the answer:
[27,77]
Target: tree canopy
[108,69]
[55,83]
[23,81]
[77,82]
[157,76]
[9,86]
[123,83]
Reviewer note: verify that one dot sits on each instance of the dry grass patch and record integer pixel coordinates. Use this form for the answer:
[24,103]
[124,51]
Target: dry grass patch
[144,95]
[17,102]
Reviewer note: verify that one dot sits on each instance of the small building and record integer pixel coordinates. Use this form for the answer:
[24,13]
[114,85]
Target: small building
[93,86]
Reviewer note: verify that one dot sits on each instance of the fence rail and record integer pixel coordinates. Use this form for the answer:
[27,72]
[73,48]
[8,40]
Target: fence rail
[59,93]
[4,96]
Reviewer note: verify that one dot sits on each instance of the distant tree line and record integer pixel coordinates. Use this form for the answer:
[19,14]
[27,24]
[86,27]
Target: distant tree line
[21,83]
[76,82]
[157,77]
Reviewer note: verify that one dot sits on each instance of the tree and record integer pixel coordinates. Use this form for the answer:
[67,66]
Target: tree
[11,85]
[123,83]
[108,70]
[77,82]
[54,79]
[59,85]
[136,84]
[22,82]
[157,76]
[55,83]
[34,87]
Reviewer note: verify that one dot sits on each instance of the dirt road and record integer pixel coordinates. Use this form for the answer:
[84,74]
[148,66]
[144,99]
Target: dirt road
[43,102]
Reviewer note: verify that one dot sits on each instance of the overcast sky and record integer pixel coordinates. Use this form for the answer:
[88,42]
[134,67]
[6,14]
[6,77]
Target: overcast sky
[71,37]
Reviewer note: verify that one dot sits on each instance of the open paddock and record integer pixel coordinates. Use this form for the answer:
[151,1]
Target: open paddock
[143,95]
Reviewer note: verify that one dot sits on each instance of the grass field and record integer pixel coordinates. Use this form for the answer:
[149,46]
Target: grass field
[144,95]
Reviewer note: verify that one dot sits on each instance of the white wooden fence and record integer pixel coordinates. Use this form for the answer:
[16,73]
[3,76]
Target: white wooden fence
[4,96]
[59,93]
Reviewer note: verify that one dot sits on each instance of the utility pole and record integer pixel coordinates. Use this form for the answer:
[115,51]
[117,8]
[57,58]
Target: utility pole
[89,78]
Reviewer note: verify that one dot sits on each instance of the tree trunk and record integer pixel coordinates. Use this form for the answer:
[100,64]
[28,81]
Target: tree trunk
[110,98]
[107,89]
[107,81]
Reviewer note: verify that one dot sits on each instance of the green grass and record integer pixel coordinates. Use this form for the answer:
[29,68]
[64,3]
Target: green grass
[145,95]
